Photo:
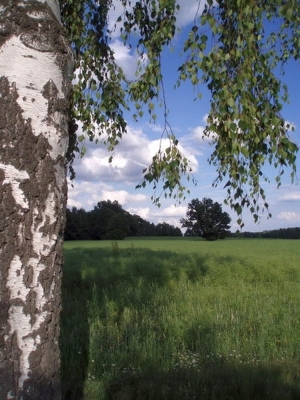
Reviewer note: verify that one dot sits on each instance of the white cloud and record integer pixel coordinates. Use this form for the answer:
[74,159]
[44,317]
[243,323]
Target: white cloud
[164,143]
[132,155]
[143,212]
[171,214]
[74,203]
[289,216]
[157,128]
[171,221]
[115,12]
[83,194]
[189,9]
[198,132]
[170,211]
[126,59]
[123,197]
[96,166]
[195,142]
[86,195]
[294,196]
[199,136]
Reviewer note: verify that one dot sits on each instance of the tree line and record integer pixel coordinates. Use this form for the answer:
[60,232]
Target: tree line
[282,233]
[108,220]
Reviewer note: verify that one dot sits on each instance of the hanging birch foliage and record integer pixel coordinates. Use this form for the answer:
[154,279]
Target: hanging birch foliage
[228,50]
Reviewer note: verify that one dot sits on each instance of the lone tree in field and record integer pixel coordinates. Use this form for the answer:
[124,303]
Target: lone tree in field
[206,219]
[39,52]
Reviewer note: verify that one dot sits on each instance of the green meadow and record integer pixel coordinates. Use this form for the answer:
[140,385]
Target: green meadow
[181,319]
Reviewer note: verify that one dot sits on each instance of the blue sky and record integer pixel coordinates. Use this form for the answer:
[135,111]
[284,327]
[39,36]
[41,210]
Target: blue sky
[98,180]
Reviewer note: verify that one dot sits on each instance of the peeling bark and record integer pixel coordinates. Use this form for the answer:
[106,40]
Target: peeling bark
[34,81]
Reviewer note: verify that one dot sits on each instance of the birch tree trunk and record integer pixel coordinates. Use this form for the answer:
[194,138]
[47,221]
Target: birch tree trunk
[35,66]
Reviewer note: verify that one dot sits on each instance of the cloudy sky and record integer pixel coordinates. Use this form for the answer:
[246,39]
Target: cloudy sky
[98,180]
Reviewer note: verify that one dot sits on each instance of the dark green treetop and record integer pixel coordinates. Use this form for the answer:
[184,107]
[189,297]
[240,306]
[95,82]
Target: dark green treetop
[206,218]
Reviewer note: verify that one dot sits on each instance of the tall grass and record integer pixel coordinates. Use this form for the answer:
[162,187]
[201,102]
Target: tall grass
[181,320]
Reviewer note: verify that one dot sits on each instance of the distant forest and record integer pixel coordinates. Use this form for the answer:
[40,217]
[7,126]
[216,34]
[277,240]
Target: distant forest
[283,233]
[108,220]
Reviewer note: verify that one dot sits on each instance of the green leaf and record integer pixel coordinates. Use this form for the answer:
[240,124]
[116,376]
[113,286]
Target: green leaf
[230,102]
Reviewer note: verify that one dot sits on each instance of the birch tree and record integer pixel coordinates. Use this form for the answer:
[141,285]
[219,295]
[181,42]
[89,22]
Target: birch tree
[38,116]
[35,72]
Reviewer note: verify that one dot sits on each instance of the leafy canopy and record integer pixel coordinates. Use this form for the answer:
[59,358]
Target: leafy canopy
[229,49]
[205,218]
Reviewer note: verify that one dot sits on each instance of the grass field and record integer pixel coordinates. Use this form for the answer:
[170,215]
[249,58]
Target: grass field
[181,319]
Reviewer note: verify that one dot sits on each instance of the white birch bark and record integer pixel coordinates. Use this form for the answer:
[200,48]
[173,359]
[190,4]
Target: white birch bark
[34,77]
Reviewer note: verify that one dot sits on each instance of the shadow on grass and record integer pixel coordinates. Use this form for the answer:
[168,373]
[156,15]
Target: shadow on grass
[74,334]
[212,381]
[102,271]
